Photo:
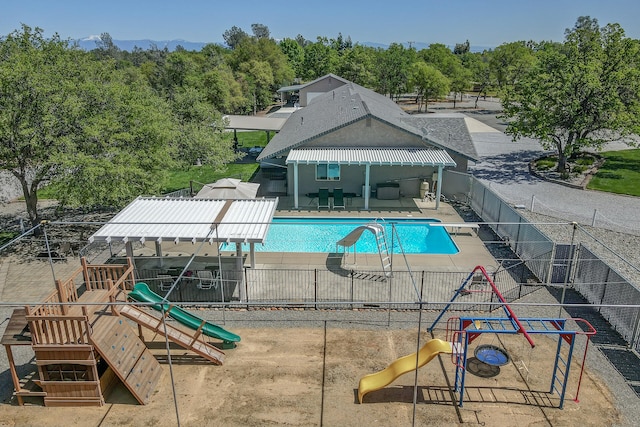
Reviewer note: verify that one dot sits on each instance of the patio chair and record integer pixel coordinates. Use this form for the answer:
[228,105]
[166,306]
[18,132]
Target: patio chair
[206,279]
[338,198]
[166,282]
[323,198]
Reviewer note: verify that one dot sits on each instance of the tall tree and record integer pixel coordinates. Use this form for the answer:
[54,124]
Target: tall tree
[428,82]
[200,128]
[66,119]
[392,69]
[233,36]
[319,59]
[260,31]
[294,53]
[357,65]
[121,143]
[510,61]
[462,48]
[582,93]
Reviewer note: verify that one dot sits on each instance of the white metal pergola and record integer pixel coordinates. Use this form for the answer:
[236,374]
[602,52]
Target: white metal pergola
[178,220]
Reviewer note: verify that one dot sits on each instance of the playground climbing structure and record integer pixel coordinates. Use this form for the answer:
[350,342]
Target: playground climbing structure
[84,343]
[462,331]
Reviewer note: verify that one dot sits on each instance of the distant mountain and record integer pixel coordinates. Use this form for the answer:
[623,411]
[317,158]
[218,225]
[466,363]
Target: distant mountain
[421,45]
[89,43]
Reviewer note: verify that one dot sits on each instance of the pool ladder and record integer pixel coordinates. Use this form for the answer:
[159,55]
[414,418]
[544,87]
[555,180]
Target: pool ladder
[383,248]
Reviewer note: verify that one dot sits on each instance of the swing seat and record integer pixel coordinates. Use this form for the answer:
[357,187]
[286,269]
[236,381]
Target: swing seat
[491,355]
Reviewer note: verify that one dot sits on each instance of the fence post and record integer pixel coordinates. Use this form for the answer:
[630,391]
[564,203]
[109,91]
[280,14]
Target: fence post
[568,267]
[352,291]
[635,336]
[533,201]
[315,287]
[245,284]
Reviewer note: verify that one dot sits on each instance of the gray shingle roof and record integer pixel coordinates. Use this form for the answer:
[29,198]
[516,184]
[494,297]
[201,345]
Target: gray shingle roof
[351,103]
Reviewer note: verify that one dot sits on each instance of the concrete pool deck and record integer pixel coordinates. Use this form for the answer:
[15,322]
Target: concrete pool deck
[24,281]
[472,249]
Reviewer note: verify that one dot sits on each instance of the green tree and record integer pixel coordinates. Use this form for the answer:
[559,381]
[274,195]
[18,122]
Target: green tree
[259,81]
[357,65]
[460,79]
[428,82]
[462,48]
[68,120]
[440,57]
[294,53]
[233,36]
[319,59]
[200,128]
[260,31]
[477,65]
[392,69]
[120,146]
[509,61]
[223,92]
[582,93]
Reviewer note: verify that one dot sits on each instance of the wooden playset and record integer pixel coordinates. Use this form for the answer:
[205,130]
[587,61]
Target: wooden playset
[84,343]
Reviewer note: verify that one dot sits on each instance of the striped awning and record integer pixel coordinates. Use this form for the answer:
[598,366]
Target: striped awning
[371,156]
[190,220]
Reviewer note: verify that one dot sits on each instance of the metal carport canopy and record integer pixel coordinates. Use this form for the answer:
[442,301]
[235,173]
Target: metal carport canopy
[372,156]
[190,220]
[255,123]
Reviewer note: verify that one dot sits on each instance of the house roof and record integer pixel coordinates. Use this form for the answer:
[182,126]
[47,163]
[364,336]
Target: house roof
[372,156]
[350,103]
[326,76]
[190,220]
[294,88]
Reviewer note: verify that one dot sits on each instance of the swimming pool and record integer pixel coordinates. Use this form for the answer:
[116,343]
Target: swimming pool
[320,235]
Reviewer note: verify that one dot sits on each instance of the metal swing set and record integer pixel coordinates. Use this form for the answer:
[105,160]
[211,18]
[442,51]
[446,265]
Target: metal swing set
[462,331]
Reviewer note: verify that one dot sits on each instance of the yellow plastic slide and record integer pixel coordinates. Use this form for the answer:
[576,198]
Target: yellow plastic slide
[401,366]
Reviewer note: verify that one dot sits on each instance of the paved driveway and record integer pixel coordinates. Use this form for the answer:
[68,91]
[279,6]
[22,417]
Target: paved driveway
[504,169]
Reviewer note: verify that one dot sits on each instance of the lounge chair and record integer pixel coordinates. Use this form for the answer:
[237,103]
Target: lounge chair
[338,199]
[323,198]
[206,280]
[166,282]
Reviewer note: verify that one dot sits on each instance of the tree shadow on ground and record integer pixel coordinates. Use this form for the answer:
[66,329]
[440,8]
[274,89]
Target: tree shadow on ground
[500,168]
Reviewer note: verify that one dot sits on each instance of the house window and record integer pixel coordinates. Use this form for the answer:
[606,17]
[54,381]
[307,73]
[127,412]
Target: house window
[328,172]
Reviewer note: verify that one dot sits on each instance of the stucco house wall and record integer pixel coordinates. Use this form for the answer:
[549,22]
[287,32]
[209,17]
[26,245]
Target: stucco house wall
[323,85]
[352,177]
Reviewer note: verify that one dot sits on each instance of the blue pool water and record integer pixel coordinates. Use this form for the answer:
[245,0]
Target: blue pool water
[321,234]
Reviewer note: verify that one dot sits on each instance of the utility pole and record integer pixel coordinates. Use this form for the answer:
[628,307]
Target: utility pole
[410,43]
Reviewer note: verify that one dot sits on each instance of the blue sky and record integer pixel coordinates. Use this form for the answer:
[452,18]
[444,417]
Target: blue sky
[482,22]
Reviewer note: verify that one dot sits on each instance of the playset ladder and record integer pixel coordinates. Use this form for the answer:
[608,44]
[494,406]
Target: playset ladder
[561,368]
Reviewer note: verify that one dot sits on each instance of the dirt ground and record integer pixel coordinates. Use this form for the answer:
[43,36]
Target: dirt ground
[310,377]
